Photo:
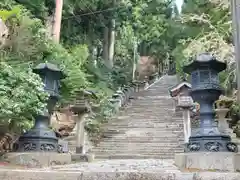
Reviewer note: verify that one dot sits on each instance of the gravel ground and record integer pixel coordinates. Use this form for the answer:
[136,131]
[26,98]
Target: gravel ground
[131,165]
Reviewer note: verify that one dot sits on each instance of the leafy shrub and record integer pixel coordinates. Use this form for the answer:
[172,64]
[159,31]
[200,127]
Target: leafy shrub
[21,97]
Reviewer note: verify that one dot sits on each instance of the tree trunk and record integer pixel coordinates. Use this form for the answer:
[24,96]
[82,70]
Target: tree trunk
[105,46]
[49,26]
[111,44]
[57,20]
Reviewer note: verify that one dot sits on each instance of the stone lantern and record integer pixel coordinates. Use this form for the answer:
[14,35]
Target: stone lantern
[41,138]
[81,108]
[183,102]
[208,149]
[181,89]
[206,90]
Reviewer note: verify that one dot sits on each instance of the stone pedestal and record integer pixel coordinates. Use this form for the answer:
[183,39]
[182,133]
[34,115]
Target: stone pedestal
[224,126]
[185,103]
[38,159]
[81,109]
[80,155]
[186,124]
[208,161]
[80,134]
[222,121]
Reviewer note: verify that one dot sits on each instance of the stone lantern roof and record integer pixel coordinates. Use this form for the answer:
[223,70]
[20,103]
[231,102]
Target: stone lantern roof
[205,60]
[42,68]
[177,89]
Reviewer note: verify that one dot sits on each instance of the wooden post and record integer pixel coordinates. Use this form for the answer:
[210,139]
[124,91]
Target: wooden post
[235,7]
[57,20]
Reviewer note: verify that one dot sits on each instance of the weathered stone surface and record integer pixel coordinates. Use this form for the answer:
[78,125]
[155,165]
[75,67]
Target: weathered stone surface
[208,161]
[36,159]
[129,165]
[82,157]
[66,175]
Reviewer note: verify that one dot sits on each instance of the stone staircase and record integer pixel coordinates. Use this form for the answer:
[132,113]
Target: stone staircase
[147,129]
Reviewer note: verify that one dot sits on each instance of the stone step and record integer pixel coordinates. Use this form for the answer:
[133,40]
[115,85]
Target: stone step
[157,105]
[148,136]
[139,145]
[146,130]
[155,99]
[169,106]
[138,151]
[149,125]
[159,124]
[163,137]
[145,140]
[109,143]
[143,144]
[134,156]
[141,120]
[141,112]
[146,119]
[130,132]
[144,153]
[148,108]
[109,140]
[118,150]
[150,128]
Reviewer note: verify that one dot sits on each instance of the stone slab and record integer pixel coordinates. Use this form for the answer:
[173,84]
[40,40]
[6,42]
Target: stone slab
[38,159]
[208,161]
[82,157]
[6,174]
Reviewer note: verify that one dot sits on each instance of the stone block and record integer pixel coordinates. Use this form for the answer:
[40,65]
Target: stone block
[38,159]
[82,157]
[64,146]
[9,174]
[208,161]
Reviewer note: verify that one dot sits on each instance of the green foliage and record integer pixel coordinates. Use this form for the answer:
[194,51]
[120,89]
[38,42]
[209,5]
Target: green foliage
[5,14]
[147,23]
[208,26]
[21,97]
[71,62]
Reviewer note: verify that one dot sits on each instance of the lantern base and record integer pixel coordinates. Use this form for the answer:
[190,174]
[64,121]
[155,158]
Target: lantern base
[38,140]
[213,143]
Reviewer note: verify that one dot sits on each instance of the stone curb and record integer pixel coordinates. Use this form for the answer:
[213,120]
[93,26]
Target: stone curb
[8,174]
[156,81]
